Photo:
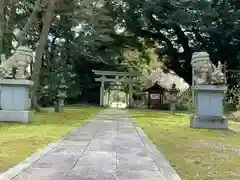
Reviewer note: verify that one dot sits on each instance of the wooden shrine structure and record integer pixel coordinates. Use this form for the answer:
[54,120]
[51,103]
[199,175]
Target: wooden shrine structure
[117,77]
[156,89]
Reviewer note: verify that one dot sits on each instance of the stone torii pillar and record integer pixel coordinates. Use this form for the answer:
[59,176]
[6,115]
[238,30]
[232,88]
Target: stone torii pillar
[127,99]
[130,94]
[102,91]
[108,94]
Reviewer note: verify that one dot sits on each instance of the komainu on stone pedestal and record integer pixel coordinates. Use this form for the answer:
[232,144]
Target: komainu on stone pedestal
[20,60]
[15,92]
[205,72]
[209,88]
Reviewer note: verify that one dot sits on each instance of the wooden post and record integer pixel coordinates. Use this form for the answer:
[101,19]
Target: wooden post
[127,100]
[102,93]
[149,99]
[104,98]
[118,98]
[108,98]
[130,95]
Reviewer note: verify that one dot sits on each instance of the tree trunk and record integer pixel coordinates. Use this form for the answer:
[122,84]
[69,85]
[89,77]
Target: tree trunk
[47,19]
[31,20]
[2,24]
[10,26]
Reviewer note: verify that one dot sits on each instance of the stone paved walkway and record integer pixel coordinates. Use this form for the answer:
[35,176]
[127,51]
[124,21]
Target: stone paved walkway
[109,147]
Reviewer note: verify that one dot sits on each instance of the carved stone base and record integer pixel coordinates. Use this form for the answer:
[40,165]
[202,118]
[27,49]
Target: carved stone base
[14,101]
[59,108]
[209,122]
[15,116]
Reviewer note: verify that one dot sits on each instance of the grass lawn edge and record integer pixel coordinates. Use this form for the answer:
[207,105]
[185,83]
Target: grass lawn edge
[60,125]
[193,153]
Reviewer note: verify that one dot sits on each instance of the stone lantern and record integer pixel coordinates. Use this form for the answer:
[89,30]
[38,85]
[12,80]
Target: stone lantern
[173,97]
[61,96]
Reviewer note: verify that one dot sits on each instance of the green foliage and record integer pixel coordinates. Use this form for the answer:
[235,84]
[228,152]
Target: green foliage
[130,35]
[81,41]
[185,100]
[235,116]
[181,27]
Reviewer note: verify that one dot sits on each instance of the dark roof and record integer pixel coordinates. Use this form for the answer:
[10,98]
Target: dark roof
[155,88]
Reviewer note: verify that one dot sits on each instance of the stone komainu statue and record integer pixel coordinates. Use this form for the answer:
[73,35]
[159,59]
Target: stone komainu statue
[20,60]
[205,72]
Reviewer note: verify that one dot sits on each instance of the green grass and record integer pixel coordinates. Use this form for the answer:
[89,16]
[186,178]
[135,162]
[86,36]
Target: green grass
[18,141]
[196,154]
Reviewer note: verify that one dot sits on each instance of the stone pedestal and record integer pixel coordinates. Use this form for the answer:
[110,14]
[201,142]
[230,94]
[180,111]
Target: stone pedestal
[106,98]
[209,108]
[61,105]
[172,106]
[15,105]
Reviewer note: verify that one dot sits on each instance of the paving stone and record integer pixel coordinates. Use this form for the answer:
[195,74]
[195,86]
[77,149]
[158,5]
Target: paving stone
[41,174]
[107,135]
[50,167]
[131,144]
[74,144]
[139,175]
[105,144]
[129,137]
[134,162]
[68,151]
[94,166]
[57,161]
[132,150]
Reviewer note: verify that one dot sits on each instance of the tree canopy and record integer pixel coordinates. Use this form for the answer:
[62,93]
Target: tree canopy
[179,28]
[120,35]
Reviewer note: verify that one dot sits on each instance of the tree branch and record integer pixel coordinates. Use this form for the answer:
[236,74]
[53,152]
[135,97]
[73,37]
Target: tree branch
[2,24]
[31,20]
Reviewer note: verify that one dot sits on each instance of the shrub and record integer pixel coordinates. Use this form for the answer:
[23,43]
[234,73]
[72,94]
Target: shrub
[235,116]
[185,100]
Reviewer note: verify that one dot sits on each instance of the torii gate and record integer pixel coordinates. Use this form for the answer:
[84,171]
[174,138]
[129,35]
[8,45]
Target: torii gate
[117,74]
